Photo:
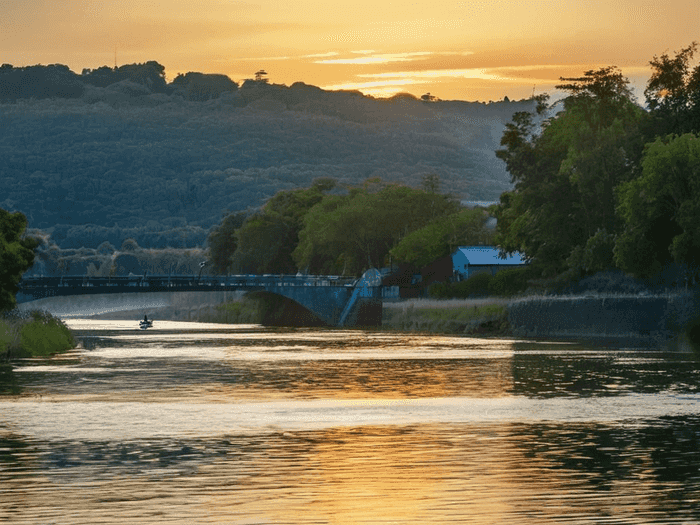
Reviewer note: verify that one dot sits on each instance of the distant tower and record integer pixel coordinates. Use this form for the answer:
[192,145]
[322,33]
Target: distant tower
[259,76]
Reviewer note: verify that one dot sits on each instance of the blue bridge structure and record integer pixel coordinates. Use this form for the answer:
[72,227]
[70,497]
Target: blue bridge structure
[337,301]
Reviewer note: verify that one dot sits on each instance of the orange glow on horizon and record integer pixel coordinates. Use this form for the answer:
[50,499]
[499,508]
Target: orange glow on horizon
[456,50]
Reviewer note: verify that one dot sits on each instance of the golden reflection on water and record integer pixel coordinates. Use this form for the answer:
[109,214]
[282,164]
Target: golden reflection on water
[242,426]
[480,474]
[369,474]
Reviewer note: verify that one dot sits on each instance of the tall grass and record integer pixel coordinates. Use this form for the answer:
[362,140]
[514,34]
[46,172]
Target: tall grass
[484,315]
[33,334]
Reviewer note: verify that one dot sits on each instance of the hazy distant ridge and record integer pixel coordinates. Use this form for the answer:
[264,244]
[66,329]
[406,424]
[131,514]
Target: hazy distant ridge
[124,156]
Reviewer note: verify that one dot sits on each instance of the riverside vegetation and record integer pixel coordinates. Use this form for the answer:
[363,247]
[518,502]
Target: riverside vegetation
[32,334]
[23,334]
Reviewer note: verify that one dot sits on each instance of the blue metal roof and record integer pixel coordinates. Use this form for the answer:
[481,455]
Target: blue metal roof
[487,255]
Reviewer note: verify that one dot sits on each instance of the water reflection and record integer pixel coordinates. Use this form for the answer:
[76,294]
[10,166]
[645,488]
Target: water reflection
[207,424]
[8,380]
[503,473]
[583,373]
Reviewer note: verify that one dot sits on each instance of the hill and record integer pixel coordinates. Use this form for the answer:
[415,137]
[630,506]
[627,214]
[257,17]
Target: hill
[112,154]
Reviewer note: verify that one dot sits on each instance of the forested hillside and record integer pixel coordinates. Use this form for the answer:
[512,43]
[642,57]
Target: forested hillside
[114,154]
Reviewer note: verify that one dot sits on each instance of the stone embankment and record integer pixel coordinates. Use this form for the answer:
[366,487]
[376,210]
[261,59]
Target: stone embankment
[637,319]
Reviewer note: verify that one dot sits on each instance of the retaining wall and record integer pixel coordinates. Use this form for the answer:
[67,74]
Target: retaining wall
[645,319]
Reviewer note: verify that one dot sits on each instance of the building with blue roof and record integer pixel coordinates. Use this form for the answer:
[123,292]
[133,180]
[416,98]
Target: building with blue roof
[471,260]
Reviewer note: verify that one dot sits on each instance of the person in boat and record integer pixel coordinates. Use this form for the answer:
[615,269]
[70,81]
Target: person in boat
[145,318]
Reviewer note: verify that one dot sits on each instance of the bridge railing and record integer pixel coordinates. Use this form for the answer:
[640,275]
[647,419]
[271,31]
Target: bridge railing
[183,281]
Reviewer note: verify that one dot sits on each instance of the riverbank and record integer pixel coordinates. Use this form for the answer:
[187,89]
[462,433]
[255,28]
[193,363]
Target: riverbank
[646,320]
[634,320]
[33,334]
[667,319]
[488,316]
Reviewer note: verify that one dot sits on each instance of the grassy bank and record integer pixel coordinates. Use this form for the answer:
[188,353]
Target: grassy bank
[32,334]
[464,316]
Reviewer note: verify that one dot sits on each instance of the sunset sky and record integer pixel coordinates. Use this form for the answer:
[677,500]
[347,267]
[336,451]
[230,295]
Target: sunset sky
[466,50]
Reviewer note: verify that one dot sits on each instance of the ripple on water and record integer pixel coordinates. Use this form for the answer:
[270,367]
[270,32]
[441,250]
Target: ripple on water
[202,424]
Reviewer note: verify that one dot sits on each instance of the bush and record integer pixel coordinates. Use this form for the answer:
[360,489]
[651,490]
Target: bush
[33,334]
[475,286]
[609,282]
[509,282]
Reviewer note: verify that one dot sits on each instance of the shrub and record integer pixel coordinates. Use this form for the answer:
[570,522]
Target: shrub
[33,334]
[610,282]
[475,286]
[509,282]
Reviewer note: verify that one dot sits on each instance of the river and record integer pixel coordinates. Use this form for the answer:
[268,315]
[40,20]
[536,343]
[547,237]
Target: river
[191,423]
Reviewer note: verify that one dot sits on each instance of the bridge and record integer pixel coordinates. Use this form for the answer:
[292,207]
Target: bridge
[337,301]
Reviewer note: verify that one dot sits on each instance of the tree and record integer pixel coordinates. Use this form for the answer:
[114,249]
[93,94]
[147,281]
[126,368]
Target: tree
[16,255]
[661,210]
[441,237]
[565,172]
[266,240]
[222,242]
[349,234]
[201,86]
[673,93]
[260,76]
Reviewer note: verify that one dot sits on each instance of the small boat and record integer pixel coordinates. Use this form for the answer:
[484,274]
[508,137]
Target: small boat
[146,323]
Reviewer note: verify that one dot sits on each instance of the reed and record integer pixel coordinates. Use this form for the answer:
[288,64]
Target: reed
[33,334]
[482,316]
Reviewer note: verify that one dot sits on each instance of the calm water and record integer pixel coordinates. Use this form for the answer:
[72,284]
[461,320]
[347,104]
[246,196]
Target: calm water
[192,423]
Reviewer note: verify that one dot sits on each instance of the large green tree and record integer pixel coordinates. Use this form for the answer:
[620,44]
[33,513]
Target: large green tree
[16,255]
[673,93]
[222,242]
[661,210]
[265,242]
[565,169]
[441,237]
[348,234]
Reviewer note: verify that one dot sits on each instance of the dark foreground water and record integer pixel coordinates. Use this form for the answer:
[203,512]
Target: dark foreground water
[188,423]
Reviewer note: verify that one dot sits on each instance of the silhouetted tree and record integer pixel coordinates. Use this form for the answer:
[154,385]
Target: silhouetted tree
[202,87]
[673,93]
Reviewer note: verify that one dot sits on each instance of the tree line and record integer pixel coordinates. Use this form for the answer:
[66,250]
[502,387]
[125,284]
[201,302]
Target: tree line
[604,184]
[58,81]
[335,229]
[128,155]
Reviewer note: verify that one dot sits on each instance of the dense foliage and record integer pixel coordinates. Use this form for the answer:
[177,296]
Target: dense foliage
[442,236]
[117,153]
[330,228]
[604,183]
[16,255]
[32,334]
[661,209]
[351,233]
